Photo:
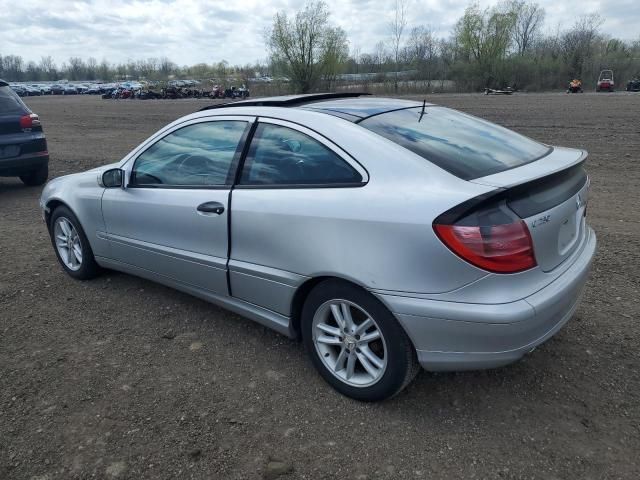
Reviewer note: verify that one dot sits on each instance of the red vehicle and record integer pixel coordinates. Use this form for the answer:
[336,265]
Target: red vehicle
[605,81]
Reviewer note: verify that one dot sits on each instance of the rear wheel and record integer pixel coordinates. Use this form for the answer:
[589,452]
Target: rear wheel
[37,177]
[71,245]
[355,343]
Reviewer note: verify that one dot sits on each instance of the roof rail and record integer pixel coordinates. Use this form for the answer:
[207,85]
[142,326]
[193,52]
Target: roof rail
[286,100]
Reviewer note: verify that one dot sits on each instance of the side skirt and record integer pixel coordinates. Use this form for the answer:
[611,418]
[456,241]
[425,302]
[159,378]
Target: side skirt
[263,316]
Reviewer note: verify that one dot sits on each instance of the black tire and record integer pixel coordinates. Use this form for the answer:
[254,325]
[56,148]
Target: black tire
[89,268]
[37,177]
[402,365]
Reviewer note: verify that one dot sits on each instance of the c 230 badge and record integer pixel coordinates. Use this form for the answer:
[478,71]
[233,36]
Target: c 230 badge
[540,221]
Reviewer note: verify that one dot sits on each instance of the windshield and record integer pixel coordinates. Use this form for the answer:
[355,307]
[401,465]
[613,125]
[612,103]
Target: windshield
[10,103]
[461,144]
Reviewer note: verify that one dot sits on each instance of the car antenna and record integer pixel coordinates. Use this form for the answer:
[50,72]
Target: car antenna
[424,104]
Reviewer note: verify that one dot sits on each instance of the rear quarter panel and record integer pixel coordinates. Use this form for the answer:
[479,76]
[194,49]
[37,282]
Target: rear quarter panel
[379,236]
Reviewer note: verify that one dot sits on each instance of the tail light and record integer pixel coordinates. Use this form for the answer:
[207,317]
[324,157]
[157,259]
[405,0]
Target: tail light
[493,239]
[29,121]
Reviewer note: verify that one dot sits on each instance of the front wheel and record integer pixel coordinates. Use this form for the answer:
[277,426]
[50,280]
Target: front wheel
[355,342]
[71,245]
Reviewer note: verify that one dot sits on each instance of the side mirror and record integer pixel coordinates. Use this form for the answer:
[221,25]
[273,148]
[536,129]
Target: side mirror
[112,178]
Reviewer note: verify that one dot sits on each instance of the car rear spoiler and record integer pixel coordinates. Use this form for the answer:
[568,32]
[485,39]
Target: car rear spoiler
[558,159]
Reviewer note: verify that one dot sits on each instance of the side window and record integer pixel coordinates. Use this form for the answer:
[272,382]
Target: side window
[283,156]
[195,155]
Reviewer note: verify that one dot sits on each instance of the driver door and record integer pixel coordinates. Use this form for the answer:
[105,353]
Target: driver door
[171,218]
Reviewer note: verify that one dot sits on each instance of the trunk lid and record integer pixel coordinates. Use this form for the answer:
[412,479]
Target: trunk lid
[9,124]
[550,195]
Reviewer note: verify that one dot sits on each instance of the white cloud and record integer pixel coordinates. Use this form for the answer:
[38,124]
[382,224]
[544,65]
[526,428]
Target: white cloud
[191,31]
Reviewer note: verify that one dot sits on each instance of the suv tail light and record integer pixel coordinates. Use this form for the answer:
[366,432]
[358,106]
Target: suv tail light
[493,239]
[29,121]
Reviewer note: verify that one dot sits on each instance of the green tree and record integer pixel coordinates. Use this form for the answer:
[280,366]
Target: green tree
[484,37]
[307,46]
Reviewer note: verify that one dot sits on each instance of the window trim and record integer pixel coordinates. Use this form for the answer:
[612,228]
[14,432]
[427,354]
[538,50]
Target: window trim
[230,177]
[324,141]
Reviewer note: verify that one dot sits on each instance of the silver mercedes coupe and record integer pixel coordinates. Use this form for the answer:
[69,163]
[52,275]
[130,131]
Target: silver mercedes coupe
[386,234]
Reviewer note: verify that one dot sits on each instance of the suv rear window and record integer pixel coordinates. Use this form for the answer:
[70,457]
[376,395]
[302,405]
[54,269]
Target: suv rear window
[461,144]
[10,103]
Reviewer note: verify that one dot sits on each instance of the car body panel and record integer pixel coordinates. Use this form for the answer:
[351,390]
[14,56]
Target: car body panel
[459,336]
[146,228]
[81,193]
[378,234]
[146,225]
[557,232]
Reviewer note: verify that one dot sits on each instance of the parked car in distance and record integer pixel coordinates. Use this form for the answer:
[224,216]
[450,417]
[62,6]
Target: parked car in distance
[44,89]
[387,234]
[32,91]
[57,89]
[19,90]
[633,85]
[23,146]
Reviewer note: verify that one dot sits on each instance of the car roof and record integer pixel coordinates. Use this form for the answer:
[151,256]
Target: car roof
[352,106]
[357,109]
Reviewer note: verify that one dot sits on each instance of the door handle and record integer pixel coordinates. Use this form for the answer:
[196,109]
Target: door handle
[211,207]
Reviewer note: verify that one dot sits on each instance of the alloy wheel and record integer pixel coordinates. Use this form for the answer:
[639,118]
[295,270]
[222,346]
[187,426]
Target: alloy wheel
[68,243]
[349,342]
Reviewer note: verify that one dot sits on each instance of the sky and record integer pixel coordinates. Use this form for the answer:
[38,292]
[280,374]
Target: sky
[190,31]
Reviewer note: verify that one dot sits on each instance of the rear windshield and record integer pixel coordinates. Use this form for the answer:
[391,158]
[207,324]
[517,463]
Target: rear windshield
[465,146]
[10,103]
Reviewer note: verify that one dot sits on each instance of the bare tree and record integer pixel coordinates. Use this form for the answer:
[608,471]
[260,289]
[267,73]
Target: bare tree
[396,27]
[91,69]
[48,67]
[380,55]
[76,69]
[529,20]
[307,45]
[577,44]
[422,49]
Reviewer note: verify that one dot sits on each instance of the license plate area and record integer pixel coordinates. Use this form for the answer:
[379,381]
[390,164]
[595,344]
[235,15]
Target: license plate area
[568,233]
[8,151]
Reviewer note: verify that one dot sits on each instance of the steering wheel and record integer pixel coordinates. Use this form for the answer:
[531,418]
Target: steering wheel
[188,164]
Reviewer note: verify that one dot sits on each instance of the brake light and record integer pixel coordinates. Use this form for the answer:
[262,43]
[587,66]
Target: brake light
[29,121]
[504,248]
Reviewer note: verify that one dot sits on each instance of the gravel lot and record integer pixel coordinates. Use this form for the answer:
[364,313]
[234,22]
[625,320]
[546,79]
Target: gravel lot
[122,378]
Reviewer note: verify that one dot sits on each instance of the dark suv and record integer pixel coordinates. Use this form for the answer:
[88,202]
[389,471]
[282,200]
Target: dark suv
[23,147]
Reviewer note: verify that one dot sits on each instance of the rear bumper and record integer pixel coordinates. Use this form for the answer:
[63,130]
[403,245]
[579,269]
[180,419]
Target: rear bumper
[12,167]
[470,336]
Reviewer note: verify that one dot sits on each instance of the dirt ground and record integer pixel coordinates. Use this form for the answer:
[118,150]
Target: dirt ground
[91,388]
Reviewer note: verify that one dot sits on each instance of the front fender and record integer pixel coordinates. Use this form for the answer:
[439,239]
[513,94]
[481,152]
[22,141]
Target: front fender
[80,193]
